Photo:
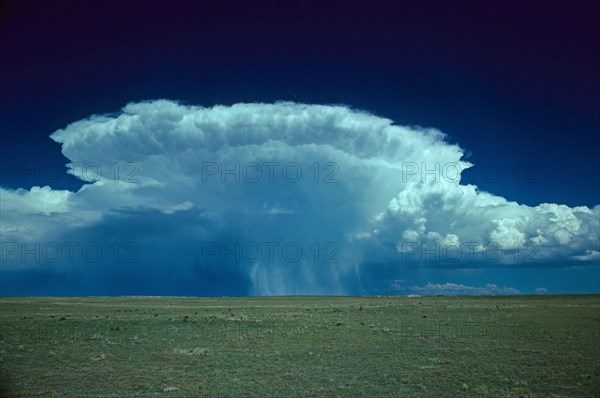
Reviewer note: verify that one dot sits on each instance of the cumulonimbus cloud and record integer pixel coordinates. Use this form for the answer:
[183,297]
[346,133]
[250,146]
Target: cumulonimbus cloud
[280,198]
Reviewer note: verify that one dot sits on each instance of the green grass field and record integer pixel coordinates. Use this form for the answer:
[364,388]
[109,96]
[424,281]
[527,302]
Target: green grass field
[511,346]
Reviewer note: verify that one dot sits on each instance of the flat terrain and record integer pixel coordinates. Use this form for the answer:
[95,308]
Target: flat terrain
[511,346]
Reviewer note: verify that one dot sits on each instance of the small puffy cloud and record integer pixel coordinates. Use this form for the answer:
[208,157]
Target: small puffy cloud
[590,255]
[541,290]
[449,288]
[280,198]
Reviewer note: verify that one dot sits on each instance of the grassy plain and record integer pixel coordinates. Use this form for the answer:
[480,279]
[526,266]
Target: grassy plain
[502,346]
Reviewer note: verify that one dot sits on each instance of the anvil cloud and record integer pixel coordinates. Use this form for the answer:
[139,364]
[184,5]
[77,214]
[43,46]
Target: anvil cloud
[280,198]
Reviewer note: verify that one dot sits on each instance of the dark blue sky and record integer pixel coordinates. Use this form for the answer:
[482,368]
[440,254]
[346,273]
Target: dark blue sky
[514,83]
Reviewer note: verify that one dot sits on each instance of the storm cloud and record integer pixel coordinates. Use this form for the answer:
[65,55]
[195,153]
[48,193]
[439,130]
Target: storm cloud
[281,198]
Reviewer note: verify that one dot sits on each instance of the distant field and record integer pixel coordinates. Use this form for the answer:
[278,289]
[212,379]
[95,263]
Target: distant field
[519,346]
